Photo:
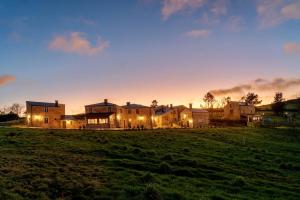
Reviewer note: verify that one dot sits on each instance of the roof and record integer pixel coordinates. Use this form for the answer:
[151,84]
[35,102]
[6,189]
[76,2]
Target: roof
[102,104]
[198,110]
[132,105]
[33,103]
[74,117]
[98,115]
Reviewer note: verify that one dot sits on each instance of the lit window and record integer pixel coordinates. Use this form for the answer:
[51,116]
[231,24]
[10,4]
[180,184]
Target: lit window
[92,121]
[103,121]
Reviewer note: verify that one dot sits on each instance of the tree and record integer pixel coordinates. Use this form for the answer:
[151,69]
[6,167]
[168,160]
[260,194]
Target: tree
[278,104]
[16,108]
[251,99]
[209,99]
[225,101]
[154,103]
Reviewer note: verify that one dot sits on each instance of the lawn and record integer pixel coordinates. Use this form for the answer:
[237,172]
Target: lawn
[223,163]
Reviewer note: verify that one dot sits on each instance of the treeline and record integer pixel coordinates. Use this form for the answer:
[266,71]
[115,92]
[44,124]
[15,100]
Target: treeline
[10,113]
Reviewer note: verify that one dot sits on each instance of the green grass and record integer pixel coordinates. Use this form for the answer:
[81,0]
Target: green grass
[227,163]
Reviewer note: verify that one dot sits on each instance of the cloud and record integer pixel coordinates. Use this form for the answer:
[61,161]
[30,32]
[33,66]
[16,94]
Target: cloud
[274,12]
[262,85]
[77,43]
[4,80]
[292,48]
[220,7]
[170,7]
[234,24]
[200,33]
[291,11]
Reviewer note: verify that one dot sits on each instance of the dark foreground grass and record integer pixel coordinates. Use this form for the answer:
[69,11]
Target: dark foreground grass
[229,163]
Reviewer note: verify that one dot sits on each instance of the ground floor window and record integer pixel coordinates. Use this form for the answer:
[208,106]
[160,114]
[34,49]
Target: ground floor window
[92,121]
[103,121]
[46,120]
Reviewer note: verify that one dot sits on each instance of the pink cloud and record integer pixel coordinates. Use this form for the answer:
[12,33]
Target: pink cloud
[291,11]
[6,79]
[200,33]
[292,48]
[220,7]
[77,43]
[171,7]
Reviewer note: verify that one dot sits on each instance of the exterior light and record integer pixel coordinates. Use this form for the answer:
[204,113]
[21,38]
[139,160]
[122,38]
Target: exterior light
[129,119]
[184,116]
[141,118]
[190,121]
[37,117]
[118,117]
[68,122]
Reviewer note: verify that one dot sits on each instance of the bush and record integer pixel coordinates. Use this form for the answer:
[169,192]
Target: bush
[147,178]
[151,193]
[168,157]
[165,168]
[238,181]
[9,117]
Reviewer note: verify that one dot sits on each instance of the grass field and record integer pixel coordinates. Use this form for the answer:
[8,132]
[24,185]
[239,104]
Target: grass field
[228,163]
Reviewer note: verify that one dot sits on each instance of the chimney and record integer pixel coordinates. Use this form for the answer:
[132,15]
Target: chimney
[105,101]
[56,103]
[171,105]
[128,103]
[191,105]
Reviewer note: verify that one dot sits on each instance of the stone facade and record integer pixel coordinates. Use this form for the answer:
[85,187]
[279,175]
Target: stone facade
[238,111]
[44,115]
[194,118]
[135,116]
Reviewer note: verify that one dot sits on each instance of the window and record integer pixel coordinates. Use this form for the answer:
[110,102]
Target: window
[137,111]
[129,111]
[92,121]
[46,109]
[103,121]
[109,109]
[46,120]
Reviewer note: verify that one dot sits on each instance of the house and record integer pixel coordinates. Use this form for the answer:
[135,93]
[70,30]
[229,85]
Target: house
[73,121]
[194,118]
[101,115]
[238,111]
[167,116]
[216,113]
[44,115]
[135,116]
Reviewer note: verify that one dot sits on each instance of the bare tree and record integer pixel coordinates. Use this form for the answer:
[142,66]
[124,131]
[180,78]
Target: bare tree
[209,99]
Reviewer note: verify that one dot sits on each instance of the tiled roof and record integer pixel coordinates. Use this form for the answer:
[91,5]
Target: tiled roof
[102,104]
[74,117]
[33,103]
[132,105]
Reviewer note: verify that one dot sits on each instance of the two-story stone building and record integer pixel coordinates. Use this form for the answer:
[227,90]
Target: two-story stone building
[44,115]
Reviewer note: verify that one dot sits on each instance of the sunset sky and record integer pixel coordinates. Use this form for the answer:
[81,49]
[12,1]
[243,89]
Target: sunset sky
[80,52]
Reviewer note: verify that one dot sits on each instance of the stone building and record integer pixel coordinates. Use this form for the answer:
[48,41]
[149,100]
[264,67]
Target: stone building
[238,111]
[135,116]
[73,121]
[44,115]
[194,118]
[101,115]
[167,116]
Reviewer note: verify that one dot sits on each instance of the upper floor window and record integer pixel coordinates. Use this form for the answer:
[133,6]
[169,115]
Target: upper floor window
[109,109]
[137,111]
[129,111]
[46,120]
[46,109]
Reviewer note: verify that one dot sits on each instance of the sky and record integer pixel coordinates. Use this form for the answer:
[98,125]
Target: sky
[174,51]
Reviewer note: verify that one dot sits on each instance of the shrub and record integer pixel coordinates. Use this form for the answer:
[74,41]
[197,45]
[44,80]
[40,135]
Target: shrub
[238,181]
[151,193]
[216,197]
[136,151]
[147,178]
[168,157]
[165,168]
